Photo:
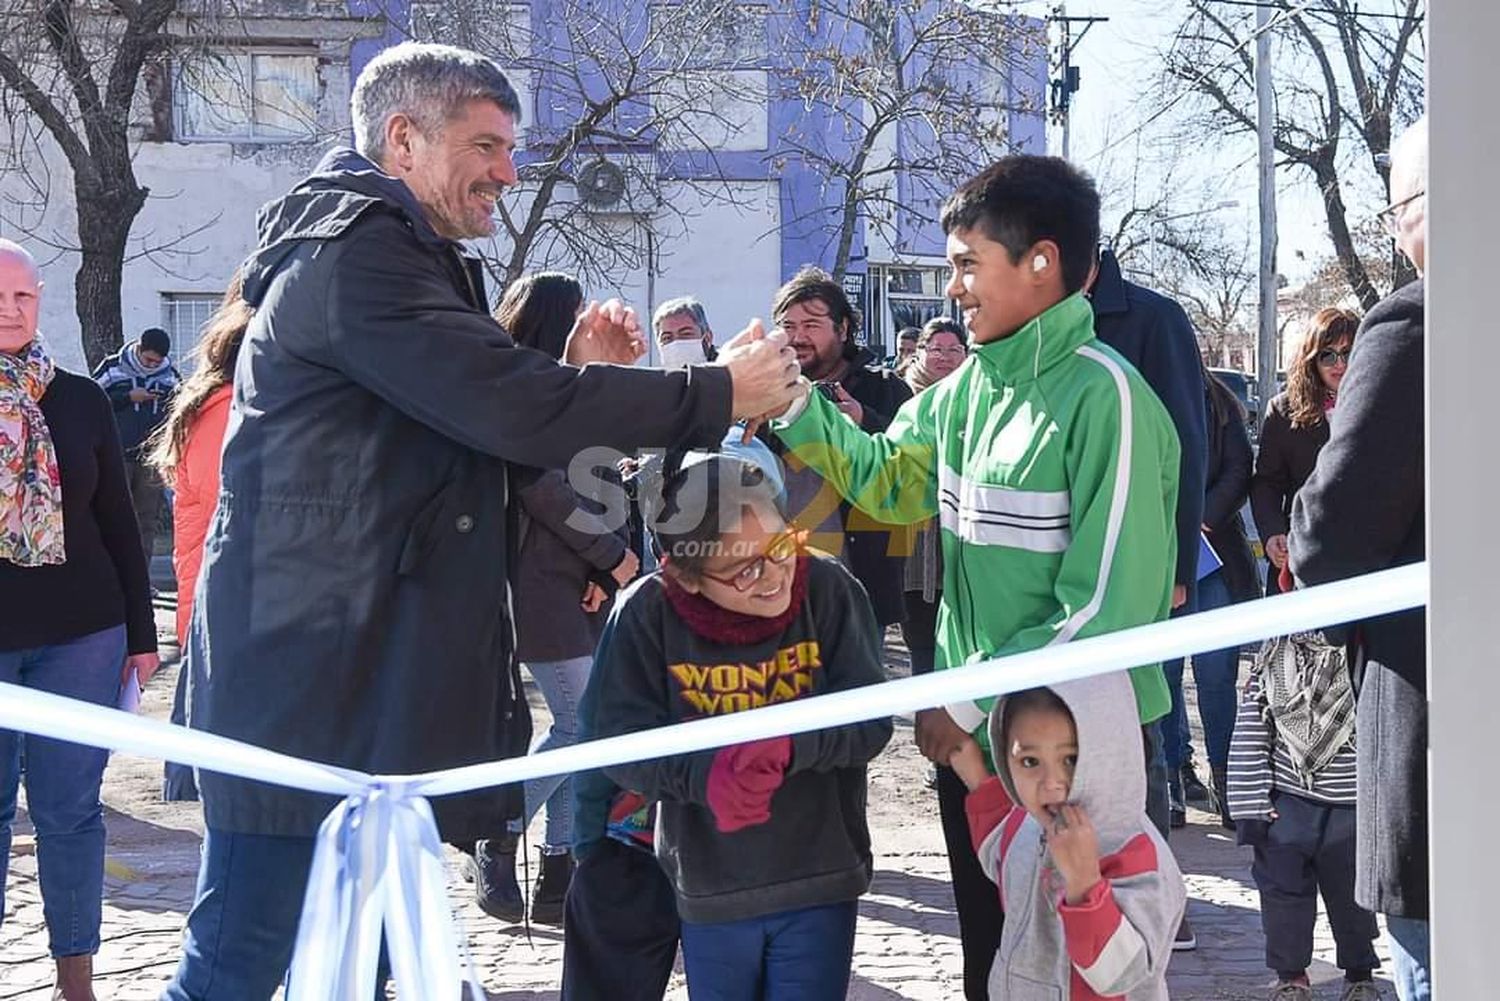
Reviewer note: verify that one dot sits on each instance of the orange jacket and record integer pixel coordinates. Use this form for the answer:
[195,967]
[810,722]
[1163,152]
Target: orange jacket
[196,491]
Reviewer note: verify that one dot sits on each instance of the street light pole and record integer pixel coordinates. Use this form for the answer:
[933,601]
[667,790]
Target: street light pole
[1265,119]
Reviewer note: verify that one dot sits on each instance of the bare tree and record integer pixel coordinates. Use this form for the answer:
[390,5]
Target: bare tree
[633,105]
[1346,73]
[899,89]
[71,71]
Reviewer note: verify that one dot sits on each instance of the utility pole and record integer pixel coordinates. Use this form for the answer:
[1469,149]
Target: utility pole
[1265,119]
[1067,81]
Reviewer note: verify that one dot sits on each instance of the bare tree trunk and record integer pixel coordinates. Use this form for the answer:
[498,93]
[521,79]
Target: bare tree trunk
[104,222]
[1338,230]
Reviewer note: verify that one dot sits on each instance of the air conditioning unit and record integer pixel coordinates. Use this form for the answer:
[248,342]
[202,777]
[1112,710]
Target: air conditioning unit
[617,185]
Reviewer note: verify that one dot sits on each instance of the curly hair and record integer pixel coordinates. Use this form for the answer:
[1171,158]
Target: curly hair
[1305,391]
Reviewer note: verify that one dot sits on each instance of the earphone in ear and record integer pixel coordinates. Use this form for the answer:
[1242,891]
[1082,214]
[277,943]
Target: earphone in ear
[1038,262]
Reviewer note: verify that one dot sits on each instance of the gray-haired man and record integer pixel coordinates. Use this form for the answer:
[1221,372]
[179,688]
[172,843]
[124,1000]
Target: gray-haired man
[353,607]
[683,335]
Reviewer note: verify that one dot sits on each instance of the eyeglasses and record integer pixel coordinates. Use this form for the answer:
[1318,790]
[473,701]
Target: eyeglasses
[1329,357]
[782,547]
[1390,216]
[954,352]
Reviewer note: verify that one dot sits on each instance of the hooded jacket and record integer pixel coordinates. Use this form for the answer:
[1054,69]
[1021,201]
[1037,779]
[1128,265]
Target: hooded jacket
[122,372]
[1054,468]
[1117,942]
[354,606]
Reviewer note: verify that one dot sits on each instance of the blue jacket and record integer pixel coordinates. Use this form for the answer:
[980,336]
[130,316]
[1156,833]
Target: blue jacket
[1154,335]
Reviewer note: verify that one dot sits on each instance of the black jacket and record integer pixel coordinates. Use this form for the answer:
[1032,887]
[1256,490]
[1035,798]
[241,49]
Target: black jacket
[1154,335]
[876,552]
[103,581]
[354,606]
[1364,509]
[1228,472]
[565,541]
[1286,459]
[653,670]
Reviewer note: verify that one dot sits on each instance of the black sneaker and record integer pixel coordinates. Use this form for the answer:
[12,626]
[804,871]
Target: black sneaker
[1194,791]
[495,888]
[556,872]
[1185,941]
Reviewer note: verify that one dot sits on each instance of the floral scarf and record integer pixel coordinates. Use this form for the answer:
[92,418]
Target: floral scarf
[31,511]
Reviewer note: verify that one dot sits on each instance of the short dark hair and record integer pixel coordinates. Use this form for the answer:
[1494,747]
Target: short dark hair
[702,499]
[941,325]
[1015,704]
[538,310]
[908,334]
[1020,200]
[814,283]
[157,340]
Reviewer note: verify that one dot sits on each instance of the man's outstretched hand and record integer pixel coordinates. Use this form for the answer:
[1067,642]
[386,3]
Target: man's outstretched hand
[764,371]
[609,333]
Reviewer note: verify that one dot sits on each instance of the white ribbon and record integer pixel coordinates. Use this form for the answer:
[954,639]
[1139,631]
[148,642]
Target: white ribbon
[377,865]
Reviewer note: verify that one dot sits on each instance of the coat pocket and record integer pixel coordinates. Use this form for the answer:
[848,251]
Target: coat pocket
[1022,988]
[426,528]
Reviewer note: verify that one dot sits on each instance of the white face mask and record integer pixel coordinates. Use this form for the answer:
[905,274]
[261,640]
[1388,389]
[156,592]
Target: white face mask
[681,354]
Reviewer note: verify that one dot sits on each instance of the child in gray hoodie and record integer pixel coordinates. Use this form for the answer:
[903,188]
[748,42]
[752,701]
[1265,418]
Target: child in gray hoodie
[1091,892]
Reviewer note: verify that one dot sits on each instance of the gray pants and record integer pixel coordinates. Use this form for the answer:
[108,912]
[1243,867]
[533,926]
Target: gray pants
[147,493]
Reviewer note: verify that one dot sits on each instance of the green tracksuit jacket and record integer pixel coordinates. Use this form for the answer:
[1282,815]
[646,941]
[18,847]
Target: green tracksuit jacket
[1053,469]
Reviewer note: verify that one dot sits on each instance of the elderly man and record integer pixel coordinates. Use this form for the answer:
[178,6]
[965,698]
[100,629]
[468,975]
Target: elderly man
[353,607]
[1364,509]
[683,335]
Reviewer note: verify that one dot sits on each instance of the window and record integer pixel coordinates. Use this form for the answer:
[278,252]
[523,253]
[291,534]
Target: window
[501,31]
[243,95]
[183,315]
[714,91]
[705,33]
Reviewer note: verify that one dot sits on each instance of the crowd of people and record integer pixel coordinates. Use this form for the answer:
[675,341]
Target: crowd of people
[389,503]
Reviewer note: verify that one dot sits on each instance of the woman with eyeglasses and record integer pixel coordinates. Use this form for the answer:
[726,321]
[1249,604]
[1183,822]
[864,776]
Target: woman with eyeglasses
[1296,429]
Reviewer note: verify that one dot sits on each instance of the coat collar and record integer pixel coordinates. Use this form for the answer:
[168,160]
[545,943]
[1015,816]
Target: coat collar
[1108,294]
[1042,343]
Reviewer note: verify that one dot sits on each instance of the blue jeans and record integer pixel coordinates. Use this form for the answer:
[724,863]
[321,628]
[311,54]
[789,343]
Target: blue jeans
[62,786]
[1215,673]
[1409,940]
[240,932]
[790,956]
[562,683]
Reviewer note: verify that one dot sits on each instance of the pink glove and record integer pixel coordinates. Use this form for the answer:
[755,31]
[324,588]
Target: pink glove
[742,780]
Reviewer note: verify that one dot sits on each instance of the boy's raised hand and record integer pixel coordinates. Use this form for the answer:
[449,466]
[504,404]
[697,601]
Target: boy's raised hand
[1074,845]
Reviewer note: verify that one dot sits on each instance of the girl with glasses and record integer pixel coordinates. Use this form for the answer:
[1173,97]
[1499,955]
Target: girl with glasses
[765,844]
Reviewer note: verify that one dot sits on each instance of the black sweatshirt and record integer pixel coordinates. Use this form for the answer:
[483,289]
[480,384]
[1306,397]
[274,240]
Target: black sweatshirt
[104,581]
[651,671]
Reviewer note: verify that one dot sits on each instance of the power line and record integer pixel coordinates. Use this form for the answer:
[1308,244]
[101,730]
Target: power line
[1284,15]
[1323,10]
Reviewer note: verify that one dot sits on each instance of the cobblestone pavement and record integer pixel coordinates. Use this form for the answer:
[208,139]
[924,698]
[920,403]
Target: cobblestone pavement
[907,945]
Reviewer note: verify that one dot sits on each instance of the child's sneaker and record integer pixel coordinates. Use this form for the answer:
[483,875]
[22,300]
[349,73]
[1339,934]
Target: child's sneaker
[1291,990]
[1361,990]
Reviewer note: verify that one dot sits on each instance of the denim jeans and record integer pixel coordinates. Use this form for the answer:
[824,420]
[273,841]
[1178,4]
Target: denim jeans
[562,683]
[1410,941]
[62,786]
[1215,673]
[240,932]
[790,956]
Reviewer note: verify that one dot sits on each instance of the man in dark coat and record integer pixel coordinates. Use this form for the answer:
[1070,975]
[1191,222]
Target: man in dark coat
[354,606]
[822,326]
[1364,509]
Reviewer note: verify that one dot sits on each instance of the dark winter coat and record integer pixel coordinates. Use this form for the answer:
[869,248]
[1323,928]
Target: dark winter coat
[354,606]
[565,541]
[1155,335]
[119,374]
[1228,473]
[1287,457]
[875,552]
[1364,509]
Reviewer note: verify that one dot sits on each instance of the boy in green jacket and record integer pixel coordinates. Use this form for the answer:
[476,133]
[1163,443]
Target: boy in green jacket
[1050,463]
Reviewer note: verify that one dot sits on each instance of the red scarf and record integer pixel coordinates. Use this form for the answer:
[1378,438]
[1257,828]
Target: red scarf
[722,625]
